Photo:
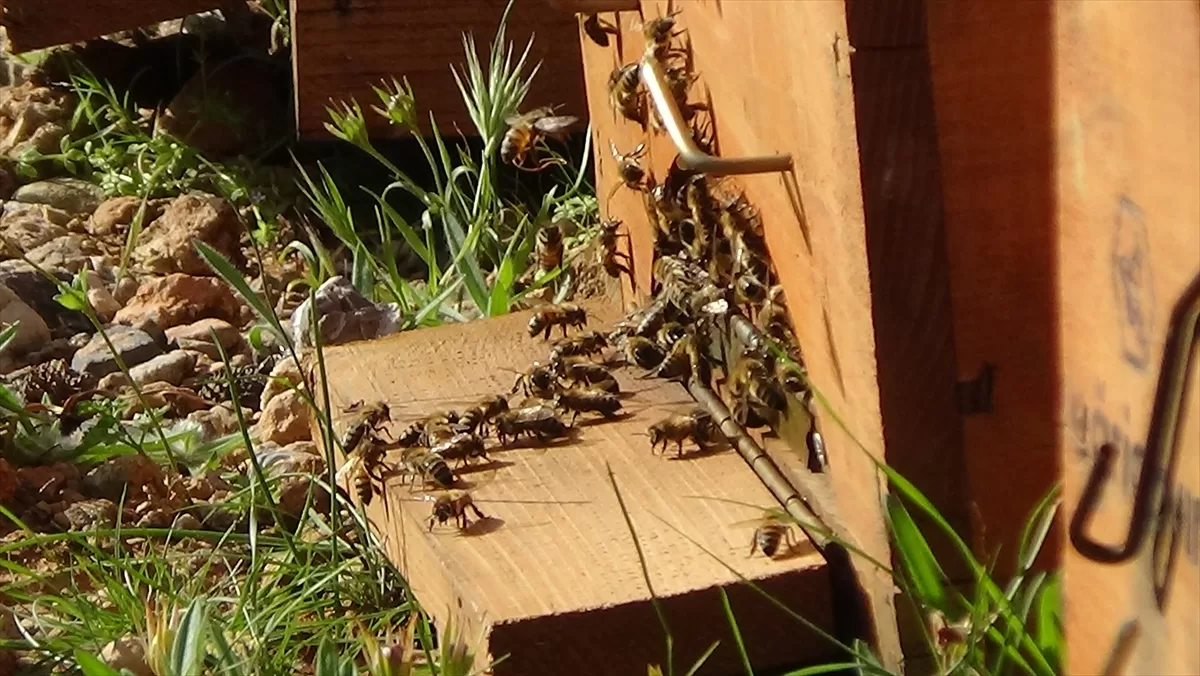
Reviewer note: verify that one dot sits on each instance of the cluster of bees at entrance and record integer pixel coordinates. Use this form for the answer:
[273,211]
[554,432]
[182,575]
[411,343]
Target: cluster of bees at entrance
[710,264]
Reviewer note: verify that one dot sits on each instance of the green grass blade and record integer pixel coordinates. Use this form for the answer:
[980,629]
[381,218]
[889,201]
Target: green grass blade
[1048,629]
[8,334]
[825,669]
[920,566]
[91,665]
[188,646]
[702,659]
[226,271]
[737,633]
[402,226]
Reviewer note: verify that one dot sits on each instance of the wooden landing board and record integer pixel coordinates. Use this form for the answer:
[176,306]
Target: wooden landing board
[554,573]
[343,48]
[778,77]
[34,24]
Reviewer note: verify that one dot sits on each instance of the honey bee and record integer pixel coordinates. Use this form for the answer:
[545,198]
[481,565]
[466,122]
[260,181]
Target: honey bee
[454,506]
[754,391]
[818,459]
[792,378]
[368,418]
[628,168]
[669,334]
[582,400]
[625,94]
[549,250]
[610,257]
[427,431]
[696,425]
[684,361]
[657,33]
[582,345]
[539,421]
[579,370]
[429,466]
[538,381]
[770,537]
[773,317]
[562,316]
[644,352]
[462,447]
[748,290]
[478,416]
[364,467]
[524,132]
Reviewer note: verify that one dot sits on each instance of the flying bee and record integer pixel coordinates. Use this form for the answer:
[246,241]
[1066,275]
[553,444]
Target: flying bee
[538,381]
[364,467]
[696,425]
[526,130]
[478,416]
[549,251]
[610,257]
[562,316]
[462,447]
[582,345]
[540,420]
[772,537]
[580,400]
[429,466]
[368,418]
[454,506]
[625,93]
[644,352]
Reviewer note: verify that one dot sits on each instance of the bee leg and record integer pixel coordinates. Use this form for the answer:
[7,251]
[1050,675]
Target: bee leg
[478,514]
[753,544]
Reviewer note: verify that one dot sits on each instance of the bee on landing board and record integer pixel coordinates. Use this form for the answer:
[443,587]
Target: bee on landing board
[367,418]
[526,130]
[454,506]
[610,257]
[696,425]
[540,421]
[476,418]
[625,94]
[365,467]
[538,381]
[562,316]
[582,345]
[587,400]
[429,430]
[462,447]
[424,464]
[772,537]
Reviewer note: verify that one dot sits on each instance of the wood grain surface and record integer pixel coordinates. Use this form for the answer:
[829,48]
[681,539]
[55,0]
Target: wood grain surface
[556,562]
[34,24]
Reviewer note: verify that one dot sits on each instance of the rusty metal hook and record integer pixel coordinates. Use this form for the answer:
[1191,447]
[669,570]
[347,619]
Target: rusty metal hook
[1154,505]
[691,158]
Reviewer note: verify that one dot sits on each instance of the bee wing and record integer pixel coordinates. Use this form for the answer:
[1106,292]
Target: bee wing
[555,125]
[350,467]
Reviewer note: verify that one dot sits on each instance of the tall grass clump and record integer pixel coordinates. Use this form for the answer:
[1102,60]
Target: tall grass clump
[489,238]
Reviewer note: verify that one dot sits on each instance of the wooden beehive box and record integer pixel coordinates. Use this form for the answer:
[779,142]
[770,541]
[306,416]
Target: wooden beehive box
[1071,164]
[343,48]
[35,24]
[553,575]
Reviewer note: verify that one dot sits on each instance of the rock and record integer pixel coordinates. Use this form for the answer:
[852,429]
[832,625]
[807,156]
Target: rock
[223,110]
[113,382]
[294,496]
[86,514]
[135,476]
[8,483]
[186,521]
[69,252]
[44,482]
[32,116]
[202,346]
[127,653]
[203,362]
[105,306]
[38,292]
[72,195]
[284,420]
[216,421]
[293,458]
[345,315]
[52,379]
[155,518]
[134,346]
[305,448]
[172,368]
[32,333]
[28,229]
[181,299]
[227,334]
[166,246]
[180,400]
[115,215]
[284,376]
[40,212]
[124,289]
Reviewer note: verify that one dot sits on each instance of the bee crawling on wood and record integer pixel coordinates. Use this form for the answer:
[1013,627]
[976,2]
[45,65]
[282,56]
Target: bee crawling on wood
[581,372]
[526,130]
[696,425]
[538,381]
[610,256]
[625,94]
[476,418]
[540,420]
[368,418]
[582,345]
[562,316]
[757,396]
[429,466]
[427,431]
[454,506]
[772,537]
[365,467]
[657,32]
[628,168]
[462,447]
[586,400]
[643,352]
